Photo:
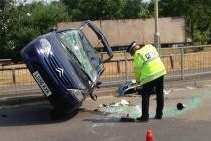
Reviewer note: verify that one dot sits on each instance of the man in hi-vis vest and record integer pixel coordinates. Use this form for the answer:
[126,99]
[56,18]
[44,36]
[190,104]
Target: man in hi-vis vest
[149,72]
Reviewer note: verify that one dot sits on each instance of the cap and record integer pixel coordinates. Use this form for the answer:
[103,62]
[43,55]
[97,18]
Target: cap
[131,46]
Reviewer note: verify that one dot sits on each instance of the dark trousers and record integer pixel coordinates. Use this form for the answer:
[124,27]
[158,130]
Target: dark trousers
[155,86]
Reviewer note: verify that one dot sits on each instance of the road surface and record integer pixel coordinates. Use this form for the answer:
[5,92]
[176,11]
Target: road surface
[31,122]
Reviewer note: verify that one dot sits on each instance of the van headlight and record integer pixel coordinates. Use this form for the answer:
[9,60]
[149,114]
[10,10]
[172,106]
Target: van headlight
[46,47]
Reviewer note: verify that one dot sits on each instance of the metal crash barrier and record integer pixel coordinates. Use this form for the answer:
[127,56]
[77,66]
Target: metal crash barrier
[181,63]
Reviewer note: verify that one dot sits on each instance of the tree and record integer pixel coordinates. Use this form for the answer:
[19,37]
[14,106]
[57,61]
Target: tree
[93,9]
[7,19]
[196,13]
[45,16]
[25,22]
[105,9]
[135,9]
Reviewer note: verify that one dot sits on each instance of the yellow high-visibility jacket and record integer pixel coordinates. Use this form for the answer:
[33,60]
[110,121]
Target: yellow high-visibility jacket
[147,64]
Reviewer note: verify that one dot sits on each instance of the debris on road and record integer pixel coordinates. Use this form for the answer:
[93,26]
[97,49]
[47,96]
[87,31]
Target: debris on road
[123,108]
[129,87]
[166,92]
[121,103]
[127,118]
[180,106]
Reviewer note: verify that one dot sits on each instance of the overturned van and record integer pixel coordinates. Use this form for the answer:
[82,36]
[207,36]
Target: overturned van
[66,66]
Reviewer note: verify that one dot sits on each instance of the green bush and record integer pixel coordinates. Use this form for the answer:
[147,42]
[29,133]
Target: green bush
[25,23]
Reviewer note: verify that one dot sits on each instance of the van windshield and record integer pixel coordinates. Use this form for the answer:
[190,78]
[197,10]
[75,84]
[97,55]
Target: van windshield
[73,43]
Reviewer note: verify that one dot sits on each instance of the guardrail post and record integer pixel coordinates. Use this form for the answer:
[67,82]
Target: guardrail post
[171,61]
[118,66]
[182,63]
[13,76]
[126,65]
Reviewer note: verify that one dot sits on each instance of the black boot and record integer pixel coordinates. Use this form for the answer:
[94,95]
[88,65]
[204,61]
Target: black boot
[158,116]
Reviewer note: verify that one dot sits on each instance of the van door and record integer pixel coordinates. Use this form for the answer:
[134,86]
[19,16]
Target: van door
[100,41]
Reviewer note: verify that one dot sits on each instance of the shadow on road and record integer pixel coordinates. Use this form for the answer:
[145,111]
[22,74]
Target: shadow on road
[28,115]
[103,120]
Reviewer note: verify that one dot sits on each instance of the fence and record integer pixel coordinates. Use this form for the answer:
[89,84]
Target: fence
[180,63]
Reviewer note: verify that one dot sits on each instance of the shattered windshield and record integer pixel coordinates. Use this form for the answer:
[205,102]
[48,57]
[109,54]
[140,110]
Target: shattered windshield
[72,41]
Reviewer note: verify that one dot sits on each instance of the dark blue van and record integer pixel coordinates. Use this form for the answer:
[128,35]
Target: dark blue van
[66,66]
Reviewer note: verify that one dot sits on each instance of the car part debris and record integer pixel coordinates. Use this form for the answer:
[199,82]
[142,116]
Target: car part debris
[129,87]
[123,102]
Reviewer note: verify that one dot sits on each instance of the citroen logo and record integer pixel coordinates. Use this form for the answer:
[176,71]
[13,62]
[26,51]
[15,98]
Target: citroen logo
[60,71]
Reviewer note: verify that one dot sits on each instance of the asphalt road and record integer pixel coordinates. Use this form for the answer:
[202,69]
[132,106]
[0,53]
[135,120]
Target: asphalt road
[31,122]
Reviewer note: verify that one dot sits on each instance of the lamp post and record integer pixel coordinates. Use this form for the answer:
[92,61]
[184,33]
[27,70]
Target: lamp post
[157,34]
